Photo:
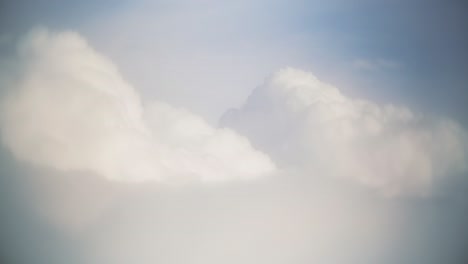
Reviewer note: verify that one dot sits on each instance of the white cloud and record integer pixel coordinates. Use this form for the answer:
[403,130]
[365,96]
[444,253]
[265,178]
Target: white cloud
[309,125]
[68,108]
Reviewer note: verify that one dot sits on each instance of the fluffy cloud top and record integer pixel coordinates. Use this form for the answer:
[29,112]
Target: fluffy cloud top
[307,124]
[68,108]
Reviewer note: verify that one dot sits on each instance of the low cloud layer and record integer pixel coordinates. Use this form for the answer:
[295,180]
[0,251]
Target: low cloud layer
[311,126]
[68,108]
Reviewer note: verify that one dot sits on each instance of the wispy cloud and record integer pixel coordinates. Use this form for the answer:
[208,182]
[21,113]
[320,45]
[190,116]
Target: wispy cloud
[374,64]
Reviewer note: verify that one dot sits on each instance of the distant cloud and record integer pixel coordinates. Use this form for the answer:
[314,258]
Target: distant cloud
[68,108]
[310,125]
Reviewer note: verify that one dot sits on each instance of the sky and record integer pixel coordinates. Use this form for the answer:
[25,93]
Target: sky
[233,131]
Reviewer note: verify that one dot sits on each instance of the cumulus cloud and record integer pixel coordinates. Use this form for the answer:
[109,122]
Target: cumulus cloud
[309,125]
[68,108]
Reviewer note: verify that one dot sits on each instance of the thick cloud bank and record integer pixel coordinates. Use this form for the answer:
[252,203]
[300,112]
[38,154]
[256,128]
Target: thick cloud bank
[309,125]
[68,108]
